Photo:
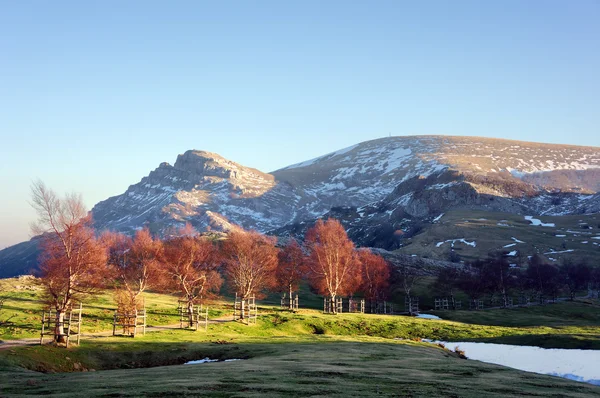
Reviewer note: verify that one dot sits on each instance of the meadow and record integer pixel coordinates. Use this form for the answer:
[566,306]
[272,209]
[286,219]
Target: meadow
[306,353]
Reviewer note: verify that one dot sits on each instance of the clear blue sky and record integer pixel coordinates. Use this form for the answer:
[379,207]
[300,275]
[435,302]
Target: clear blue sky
[97,94]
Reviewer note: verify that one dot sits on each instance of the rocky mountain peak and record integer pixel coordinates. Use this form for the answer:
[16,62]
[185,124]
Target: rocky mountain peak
[208,164]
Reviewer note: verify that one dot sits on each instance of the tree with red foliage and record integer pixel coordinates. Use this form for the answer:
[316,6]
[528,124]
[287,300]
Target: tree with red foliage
[72,262]
[135,264]
[375,275]
[250,263]
[190,265]
[118,248]
[144,270]
[333,266]
[291,269]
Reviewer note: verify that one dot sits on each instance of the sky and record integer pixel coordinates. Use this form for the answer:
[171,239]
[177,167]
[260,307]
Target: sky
[95,95]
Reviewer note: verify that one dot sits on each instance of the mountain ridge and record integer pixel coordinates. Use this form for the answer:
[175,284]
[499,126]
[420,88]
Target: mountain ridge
[394,182]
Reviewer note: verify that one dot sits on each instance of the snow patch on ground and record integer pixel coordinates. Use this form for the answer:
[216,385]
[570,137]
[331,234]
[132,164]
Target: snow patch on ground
[510,245]
[205,360]
[428,316]
[564,251]
[579,365]
[441,186]
[438,218]
[452,241]
[395,158]
[535,221]
[512,253]
[517,240]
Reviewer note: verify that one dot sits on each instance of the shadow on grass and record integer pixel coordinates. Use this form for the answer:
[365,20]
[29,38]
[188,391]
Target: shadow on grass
[566,341]
[283,368]
[577,313]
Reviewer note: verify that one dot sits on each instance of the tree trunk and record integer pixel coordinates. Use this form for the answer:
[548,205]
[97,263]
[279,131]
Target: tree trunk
[59,330]
[291,300]
[190,310]
[333,304]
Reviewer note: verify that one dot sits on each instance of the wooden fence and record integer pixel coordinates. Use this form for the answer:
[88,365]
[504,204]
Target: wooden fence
[129,322]
[71,324]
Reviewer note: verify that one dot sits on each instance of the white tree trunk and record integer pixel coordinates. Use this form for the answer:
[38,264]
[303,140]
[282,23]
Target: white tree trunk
[190,310]
[59,330]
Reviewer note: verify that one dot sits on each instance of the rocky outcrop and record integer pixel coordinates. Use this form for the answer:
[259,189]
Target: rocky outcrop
[202,188]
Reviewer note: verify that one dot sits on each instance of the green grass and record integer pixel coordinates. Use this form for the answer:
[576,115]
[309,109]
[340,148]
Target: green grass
[22,304]
[297,369]
[299,354]
[283,357]
[307,325]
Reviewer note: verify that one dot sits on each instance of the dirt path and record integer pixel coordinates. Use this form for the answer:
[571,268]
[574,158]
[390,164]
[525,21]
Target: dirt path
[8,344]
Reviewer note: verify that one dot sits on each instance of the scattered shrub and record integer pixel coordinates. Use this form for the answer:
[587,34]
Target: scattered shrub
[461,353]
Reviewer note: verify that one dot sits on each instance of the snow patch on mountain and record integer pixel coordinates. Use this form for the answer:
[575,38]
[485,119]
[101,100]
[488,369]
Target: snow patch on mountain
[535,221]
[453,241]
[327,156]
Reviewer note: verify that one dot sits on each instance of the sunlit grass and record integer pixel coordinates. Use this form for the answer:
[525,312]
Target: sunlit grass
[290,354]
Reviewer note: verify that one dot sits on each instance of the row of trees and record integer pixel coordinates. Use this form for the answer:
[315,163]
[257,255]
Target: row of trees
[75,262]
[494,276]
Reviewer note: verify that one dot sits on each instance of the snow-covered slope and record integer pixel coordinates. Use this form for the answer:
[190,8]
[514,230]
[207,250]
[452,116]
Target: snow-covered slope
[395,159]
[419,177]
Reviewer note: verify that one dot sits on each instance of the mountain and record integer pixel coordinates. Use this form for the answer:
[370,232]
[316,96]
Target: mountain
[202,188]
[385,190]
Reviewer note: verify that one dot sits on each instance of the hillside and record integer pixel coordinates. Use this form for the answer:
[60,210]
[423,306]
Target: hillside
[210,191]
[385,190]
[473,234]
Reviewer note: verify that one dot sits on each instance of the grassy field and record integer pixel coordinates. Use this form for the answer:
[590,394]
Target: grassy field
[297,354]
[22,304]
[491,231]
[320,367]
